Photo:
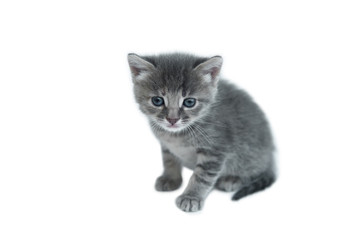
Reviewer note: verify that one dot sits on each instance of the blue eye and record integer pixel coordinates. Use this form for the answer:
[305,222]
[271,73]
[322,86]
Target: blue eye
[157,101]
[189,102]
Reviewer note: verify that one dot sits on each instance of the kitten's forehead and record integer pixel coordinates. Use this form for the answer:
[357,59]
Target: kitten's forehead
[175,72]
[171,93]
[175,81]
[174,85]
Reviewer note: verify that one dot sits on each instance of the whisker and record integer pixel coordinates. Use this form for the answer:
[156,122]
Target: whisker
[213,123]
[192,134]
[204,135]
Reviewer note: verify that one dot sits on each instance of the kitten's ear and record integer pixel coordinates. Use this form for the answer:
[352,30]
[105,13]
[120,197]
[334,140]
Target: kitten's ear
[210,69]
[139,67]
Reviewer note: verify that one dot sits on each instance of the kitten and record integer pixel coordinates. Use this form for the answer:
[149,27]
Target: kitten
[205,124]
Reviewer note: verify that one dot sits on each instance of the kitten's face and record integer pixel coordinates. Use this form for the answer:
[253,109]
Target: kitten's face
[173,110]
[174,90]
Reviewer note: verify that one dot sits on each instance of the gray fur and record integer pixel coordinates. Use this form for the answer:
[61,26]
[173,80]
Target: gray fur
[225,139]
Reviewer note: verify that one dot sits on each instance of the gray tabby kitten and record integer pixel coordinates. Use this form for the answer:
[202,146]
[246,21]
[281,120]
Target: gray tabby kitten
[205,124]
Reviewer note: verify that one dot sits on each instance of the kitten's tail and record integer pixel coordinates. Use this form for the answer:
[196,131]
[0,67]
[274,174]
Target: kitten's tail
[259,183]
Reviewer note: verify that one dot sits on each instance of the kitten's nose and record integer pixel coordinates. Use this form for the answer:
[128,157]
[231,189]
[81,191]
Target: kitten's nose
[172,120]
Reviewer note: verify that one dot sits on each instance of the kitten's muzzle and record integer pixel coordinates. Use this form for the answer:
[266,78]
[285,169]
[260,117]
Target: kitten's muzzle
[172,120]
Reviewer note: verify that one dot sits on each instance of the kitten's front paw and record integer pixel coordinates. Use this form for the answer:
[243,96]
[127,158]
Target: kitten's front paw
[189,203]
[164,183]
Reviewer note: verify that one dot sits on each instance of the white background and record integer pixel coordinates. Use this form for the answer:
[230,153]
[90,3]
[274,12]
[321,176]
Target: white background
[77,158]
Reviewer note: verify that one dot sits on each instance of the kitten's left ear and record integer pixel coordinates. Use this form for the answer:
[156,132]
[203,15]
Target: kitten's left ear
[210,69]
[139,67]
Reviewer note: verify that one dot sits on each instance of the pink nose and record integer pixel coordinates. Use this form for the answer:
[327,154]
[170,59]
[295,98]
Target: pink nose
[172,120]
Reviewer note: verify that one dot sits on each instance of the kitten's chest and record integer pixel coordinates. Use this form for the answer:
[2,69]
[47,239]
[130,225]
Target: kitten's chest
[185,152]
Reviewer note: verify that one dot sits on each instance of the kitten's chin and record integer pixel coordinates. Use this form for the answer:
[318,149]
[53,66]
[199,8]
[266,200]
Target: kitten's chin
[167,127]
[172,128]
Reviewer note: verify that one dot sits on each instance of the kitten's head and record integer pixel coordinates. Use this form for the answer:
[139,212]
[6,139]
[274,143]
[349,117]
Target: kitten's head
[176,89]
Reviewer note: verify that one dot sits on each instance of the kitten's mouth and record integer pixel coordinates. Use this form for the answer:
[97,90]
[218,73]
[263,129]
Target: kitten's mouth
[167,126]
[172,127]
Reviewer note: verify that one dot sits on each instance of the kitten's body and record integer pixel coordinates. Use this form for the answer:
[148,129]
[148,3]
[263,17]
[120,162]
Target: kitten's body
[225,139]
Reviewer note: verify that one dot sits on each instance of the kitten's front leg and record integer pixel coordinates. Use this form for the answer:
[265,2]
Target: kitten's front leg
[205,175]
[171,179]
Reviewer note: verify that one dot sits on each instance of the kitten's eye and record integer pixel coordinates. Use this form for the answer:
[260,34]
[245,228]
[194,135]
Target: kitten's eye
[189,102]
[157,101]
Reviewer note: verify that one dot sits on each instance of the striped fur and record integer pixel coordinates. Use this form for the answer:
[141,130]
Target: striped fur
[225,138]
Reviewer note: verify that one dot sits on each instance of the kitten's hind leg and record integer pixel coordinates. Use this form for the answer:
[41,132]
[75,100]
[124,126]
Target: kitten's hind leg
[228,183]
[171,179]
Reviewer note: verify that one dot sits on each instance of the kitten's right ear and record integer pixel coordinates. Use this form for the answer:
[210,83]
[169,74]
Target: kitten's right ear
[139,67]
[209,70]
